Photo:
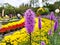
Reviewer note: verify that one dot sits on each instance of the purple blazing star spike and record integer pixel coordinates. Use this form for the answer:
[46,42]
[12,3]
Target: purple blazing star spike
[39,22]
[42,43]
[56,25]
[52,17]
[50,32]
[29,20]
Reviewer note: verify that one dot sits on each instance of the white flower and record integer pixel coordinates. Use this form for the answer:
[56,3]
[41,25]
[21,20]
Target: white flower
[57,10]
[6,15]
[18,15]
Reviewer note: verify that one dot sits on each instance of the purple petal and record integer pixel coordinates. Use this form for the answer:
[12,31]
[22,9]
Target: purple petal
[56,25]
[42,43]
[52,16]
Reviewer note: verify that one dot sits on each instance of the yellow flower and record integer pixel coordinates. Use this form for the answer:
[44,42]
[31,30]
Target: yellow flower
[15,43]
[2,43]
[34,43]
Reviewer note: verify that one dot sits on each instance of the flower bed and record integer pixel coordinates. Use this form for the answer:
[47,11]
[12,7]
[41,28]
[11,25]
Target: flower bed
[12,26]
[22,37]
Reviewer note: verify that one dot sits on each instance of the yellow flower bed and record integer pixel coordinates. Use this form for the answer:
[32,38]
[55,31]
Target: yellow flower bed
[21,37]
[2,43]
[13,23]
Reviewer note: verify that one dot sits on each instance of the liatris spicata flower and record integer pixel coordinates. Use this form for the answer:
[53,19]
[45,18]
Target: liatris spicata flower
[42,43]
[52,17]
[29,20]
[50,32]
[39,22]
[56,25]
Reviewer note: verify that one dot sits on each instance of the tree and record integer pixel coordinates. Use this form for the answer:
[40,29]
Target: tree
[57,4]
[1,9]
[9,9]
[34,3]
[51,7]
[44,0]
[22,8]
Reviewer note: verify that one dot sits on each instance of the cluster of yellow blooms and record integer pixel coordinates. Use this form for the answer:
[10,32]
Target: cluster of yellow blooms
[21,37]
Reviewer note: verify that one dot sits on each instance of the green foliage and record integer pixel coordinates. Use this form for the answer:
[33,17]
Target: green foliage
[1,9]
[22,9]
[57,4]
[9,10]
[33,2]
[1,18]
[54,6]
[51,7]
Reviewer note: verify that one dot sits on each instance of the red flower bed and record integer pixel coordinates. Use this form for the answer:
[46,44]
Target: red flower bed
[13,27]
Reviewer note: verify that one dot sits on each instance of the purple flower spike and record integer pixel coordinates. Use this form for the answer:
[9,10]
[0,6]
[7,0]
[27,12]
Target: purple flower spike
[42,43]
[52,17]
[50,32]
[56,25]
[29,20]
[39,22]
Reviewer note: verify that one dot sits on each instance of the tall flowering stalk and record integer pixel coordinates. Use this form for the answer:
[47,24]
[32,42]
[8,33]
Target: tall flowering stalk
[56,25]
[29,21]
[39,22]
[52,17]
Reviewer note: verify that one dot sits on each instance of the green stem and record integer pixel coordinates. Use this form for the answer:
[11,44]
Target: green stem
[40,36]
[30,39]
